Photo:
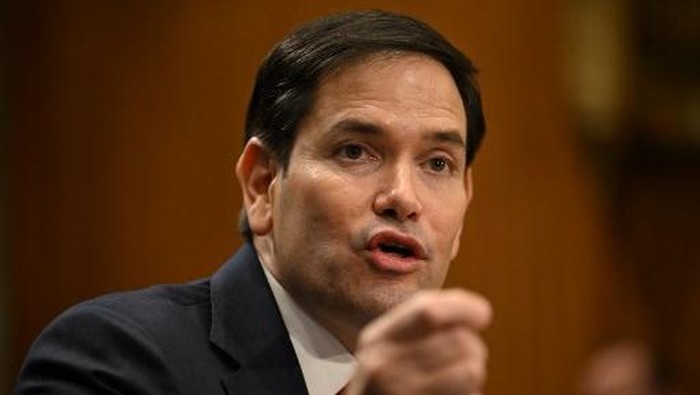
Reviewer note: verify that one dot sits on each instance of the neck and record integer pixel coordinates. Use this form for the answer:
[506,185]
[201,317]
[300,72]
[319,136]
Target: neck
[340,327]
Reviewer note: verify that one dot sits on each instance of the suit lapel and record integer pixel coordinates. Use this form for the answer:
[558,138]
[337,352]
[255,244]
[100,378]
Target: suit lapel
[247,326]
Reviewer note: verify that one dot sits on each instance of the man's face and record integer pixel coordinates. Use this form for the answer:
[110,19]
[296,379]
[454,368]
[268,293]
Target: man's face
[371,206]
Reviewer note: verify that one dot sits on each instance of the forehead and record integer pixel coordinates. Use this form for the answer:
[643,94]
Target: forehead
[393,86]
[377,67]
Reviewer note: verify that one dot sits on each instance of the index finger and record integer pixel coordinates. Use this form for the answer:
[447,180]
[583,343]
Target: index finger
[428,311]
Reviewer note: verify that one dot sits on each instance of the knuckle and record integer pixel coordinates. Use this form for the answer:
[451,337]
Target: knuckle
[480,306]
[468,344]
[365,338]
[425,298]
[428,316]
[460,379]
[487,315]
[462,339]
[477,375]
[472,360]
[463,380]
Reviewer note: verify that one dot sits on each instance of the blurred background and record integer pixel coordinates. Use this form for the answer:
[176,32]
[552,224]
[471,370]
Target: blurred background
[120,123]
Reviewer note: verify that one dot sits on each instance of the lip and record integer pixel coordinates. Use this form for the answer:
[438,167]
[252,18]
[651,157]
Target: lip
[388,261]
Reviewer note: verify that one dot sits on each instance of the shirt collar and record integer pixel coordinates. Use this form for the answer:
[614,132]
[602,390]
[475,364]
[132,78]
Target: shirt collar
[326,365]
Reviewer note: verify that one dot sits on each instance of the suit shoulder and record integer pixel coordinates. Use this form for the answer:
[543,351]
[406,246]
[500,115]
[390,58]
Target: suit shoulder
[112,342]
[176,295]
[156,309]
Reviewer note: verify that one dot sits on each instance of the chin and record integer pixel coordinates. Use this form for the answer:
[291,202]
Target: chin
[380,299]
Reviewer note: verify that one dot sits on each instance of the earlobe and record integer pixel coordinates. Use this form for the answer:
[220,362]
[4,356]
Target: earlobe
[456,243]
[468,185]
[256,171]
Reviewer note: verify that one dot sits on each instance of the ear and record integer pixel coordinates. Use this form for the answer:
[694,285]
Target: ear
[256,170]
[468,185]
[469,193]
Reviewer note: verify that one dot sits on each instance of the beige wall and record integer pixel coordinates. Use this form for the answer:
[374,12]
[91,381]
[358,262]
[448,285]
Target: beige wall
[127,119]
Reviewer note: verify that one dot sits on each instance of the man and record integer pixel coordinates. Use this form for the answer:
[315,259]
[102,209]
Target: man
[356,177]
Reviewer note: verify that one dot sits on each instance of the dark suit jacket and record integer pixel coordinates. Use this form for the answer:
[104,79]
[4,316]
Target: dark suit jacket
[223,335]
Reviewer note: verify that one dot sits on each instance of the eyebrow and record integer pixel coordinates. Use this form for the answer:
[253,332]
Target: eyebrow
[452,137]
[356,126]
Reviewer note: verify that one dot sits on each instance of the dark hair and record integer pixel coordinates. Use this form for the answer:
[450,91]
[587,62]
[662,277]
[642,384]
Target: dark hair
[289,76]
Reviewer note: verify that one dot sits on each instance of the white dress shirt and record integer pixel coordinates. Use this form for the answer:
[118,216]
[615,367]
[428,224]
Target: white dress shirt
[326,365]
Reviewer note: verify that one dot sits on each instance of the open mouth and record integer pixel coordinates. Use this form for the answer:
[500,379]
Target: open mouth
[397,245]
[397,250]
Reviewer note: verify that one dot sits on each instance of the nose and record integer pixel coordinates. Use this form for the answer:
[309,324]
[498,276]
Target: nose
[396,197]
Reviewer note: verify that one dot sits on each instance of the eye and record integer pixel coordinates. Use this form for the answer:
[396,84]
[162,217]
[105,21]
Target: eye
[440,165]
[437,164]
[352,151]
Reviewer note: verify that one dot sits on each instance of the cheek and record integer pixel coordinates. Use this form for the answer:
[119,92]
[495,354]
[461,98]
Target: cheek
[448,221]
[316,205]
